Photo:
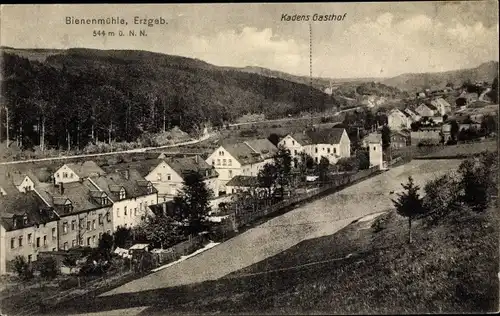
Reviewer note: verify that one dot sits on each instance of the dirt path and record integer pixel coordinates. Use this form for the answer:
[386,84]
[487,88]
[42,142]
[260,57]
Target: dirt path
[320,218]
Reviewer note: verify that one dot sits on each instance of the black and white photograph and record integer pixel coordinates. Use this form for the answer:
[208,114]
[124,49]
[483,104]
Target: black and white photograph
[249,158]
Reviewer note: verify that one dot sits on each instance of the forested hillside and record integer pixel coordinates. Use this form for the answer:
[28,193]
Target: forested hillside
[83,95]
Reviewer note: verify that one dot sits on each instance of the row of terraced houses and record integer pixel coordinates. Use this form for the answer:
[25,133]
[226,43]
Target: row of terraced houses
[77,203]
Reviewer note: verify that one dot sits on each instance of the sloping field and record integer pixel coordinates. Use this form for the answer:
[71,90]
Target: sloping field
[320,218]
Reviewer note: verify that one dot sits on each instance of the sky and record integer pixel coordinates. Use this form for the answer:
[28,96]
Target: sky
[373,40]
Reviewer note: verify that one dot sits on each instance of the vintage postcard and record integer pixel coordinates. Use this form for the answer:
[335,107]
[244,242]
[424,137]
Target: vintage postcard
[255,158]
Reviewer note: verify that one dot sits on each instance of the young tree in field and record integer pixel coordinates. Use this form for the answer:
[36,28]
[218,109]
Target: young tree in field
[409,204]
[267,178]
[441,198]
[475,181]
[193,202]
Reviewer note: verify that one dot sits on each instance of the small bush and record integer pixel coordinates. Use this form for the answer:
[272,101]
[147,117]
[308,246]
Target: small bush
[22,268]
[48,268]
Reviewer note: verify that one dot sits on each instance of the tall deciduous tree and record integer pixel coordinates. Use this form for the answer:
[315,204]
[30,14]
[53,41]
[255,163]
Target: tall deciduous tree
[409,204]
[283,163]
[193,202]
[267,178]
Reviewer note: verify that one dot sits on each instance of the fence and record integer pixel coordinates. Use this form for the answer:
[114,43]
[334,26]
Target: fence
[174,253]
[246,216]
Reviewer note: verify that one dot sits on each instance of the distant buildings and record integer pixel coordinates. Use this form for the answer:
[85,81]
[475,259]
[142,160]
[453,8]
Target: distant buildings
[398,119]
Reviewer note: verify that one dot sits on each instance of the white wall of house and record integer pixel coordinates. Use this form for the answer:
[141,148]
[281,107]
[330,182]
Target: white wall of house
[129,212]
[226,165]
[27,242]
[376,154]
[65,175]
[291,144]
[423,110]
[26,185]
[397,120]
[168,182]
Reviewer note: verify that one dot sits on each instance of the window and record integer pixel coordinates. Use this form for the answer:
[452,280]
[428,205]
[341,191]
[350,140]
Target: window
[100,219]
[140,206]
[20,241]
[374,148]
[293,143]
[53,249]
[295,151]
[12,243]
[66,245]
[316,159]
[38,242]
[125,211]
[73,224]
[224,162]
[328,150]
[334,150]
[29,258]
[88,225]
[168,177]
[150,188]
[108,216]
[88,241]
[93,239]
[45,240]
[71,175]
[218,162]
[213,162]
[57,175]
[316,149]
[221,153]
[117,212]
[65,227]
[81,241]
[135,211]
[54,235]
[65,174]
[29,239]
[93,225]
[25,219]
[122,194]
[158,177]
[230,173]
[100,236]
[229,162]
[104,201]
[73,243]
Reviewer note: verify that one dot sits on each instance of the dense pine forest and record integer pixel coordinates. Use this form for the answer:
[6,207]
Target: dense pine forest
[78,96]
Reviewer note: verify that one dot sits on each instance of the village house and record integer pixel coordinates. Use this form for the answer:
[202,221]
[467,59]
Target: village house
[398,119]
[426,110]
[399,139]
[331,143]
[414,115]
[130,194]
[246,158]
[28,225]
[85,212]
[72,172]
[168,176]
[442,106]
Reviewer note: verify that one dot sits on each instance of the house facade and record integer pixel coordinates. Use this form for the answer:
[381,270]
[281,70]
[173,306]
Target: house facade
[130,194]
[245,158]
[27,226]
[442,106]
[73,172]
[331,143]
[425,110]
[397,120]
[399,140]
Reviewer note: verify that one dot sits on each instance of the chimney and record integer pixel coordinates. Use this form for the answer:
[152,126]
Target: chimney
[61,188]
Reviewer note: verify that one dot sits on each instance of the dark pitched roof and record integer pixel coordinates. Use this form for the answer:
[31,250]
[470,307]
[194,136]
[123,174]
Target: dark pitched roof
[243,181]
[144,167]
[182,166]
[112,183]
[319,136]
[253,151]
[79,193]
[86,169]
[15,206]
